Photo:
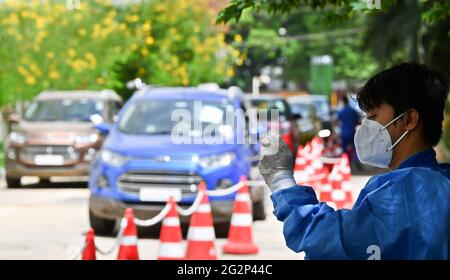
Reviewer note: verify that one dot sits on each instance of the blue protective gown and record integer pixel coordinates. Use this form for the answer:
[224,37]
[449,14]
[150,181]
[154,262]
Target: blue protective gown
[405,212]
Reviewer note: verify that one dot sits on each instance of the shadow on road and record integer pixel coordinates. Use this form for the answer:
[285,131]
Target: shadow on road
[55,185]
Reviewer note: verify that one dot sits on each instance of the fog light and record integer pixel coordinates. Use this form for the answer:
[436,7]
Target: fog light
[224,183]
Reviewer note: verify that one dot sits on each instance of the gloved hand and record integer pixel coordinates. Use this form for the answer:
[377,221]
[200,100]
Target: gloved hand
[276,163]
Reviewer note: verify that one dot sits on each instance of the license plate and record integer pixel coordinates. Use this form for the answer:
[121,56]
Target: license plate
[159,194]
[49,160]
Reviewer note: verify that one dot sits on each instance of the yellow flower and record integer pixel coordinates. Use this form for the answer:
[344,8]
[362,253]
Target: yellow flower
[72,52]
[50,55]
[107,21]
[100,80]
[146,27]
[82,32]
[22,71]
[238,38]
[30,80]
[133,46]
[149,40]
[78,17]
[13,19]
[40,22]
[53,74]
[132,18]
[122,26]
[35,69]
[230,72]
[11,31]
[144,51]
[91,59]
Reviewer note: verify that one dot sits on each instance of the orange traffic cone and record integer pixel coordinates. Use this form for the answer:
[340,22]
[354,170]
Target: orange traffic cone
[128,244]
[240,240]
[318,173]
[330,187]
[300,175]
[89,249]
[336,195]
[201,231]
[171,240]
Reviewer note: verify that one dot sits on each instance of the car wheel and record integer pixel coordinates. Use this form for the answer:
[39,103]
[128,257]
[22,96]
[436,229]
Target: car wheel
[100,225]
[13,183]
[259,210]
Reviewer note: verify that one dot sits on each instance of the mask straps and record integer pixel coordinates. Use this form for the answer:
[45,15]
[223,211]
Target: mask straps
[398,117]
[401,137]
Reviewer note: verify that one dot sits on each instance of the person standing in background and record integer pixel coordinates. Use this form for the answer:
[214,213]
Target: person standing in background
[349,119]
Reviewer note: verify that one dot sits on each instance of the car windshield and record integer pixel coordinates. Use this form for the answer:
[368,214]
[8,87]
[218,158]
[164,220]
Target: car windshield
[322,107]
[161,116]
[76,110]
[301,108]
[270,104]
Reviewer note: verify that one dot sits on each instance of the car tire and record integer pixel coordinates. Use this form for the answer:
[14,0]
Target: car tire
[259,210]
[13,183]
[100,225]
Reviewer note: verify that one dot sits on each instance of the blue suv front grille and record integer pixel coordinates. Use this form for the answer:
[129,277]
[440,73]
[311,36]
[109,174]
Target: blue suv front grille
[131,181]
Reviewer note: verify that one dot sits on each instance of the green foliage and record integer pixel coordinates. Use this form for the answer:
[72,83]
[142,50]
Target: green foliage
[46,45]
[307,35]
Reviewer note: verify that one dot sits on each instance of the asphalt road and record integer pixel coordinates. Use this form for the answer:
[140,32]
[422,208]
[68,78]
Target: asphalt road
[48,221]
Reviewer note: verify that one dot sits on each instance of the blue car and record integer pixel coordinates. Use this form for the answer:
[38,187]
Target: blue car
[151,153]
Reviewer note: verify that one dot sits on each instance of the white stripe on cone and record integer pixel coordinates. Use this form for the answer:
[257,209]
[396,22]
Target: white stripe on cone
[338,195]
[300,176]
[128,240]
[242,197]
[201,233]
[171,222]
[204,208]
[241,219]
[171,250]
[326,188]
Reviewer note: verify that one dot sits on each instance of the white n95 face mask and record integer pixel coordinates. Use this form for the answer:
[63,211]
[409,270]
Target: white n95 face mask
[373,143]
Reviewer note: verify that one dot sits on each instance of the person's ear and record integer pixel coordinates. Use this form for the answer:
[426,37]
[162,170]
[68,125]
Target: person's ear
[411,119]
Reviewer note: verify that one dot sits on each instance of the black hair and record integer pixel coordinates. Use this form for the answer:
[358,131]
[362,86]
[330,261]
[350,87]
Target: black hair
[345,99]
[410,86]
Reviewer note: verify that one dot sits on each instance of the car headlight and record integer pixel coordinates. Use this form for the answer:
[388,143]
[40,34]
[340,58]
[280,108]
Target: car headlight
[113,158]
[215,161]
[86,139]
[18,137]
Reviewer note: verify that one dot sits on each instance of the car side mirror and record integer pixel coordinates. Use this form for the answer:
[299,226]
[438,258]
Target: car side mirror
[297,116]
[13,118]
[103,128]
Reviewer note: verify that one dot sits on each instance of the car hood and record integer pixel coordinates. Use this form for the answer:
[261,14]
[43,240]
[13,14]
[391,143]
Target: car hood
[160,145]
[57,133]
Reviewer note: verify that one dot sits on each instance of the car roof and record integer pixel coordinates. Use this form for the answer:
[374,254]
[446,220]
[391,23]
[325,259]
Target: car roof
[76,94]
[306,98]
[183,93]
[264,97]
